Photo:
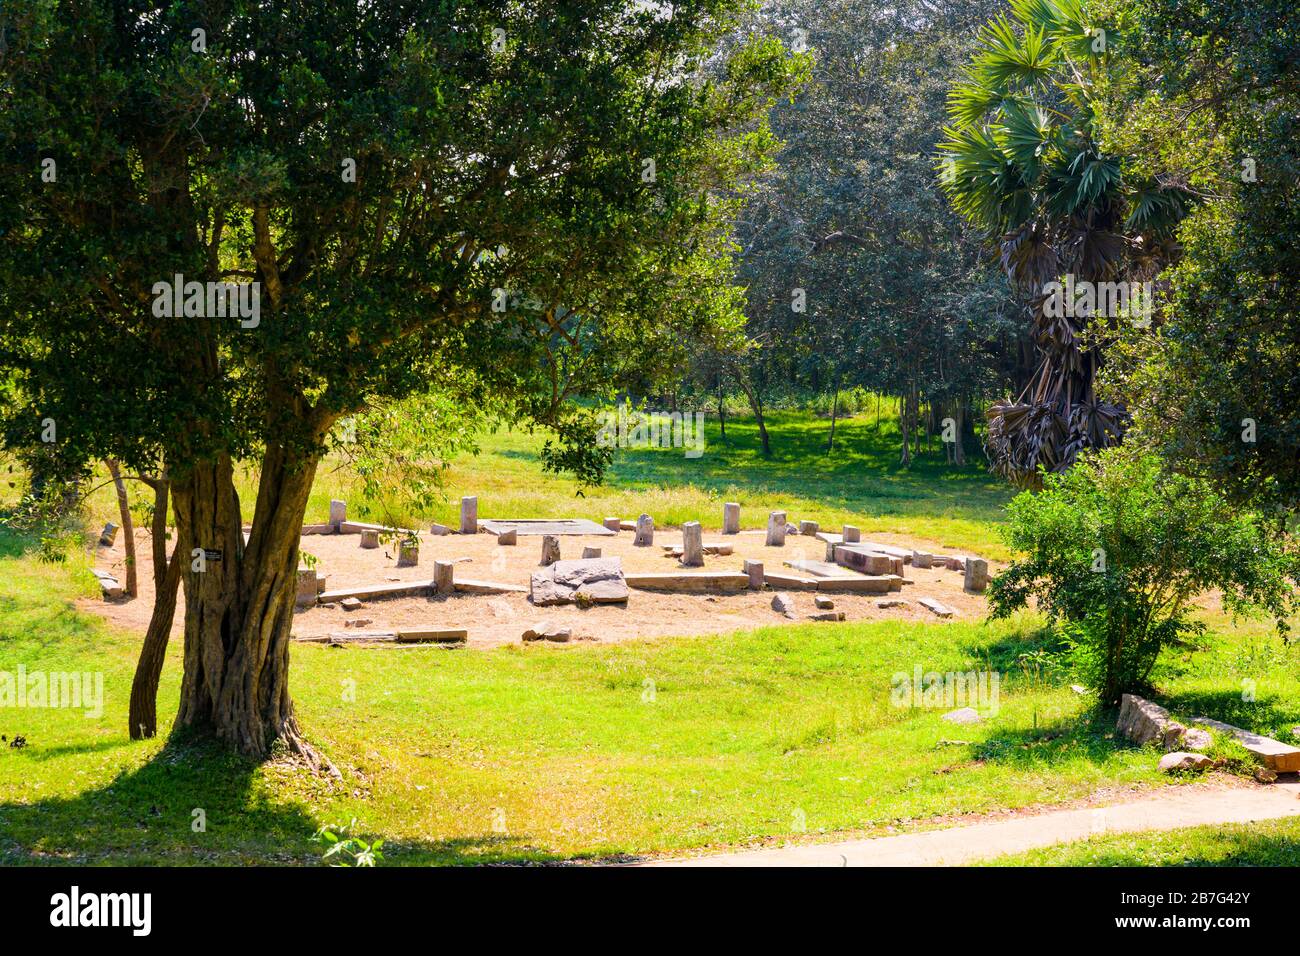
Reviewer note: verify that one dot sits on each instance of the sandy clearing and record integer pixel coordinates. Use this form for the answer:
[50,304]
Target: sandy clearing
[493,620]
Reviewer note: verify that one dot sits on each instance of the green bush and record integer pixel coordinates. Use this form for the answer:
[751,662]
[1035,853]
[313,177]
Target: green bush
[1115,549]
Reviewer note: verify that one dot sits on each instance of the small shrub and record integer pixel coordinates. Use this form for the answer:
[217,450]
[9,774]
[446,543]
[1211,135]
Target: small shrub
[1114,551]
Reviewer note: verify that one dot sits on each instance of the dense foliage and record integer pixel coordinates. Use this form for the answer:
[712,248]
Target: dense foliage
[1115,550]
[504,206]
[1210,98]
[1022,160]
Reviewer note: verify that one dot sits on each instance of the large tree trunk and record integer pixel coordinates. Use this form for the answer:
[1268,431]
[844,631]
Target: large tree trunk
[128,527]
[143,720]
[239,607]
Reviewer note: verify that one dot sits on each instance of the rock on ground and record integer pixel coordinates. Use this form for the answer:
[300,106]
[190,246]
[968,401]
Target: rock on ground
[782,603]
[593,580]
[1182,760]
[1143,722]
[546,631]
[963,715]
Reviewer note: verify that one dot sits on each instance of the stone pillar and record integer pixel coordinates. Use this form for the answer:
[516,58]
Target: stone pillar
[550,549]
[692,544]
[614,524]
[851,534]
[755,571]
[469,515]
[443,577]
[731,518]
[369,538]
[307,587]
[809,527]
[776,529]
[588,552]
[645,532]
[408,553]
[338,514]
[977,575]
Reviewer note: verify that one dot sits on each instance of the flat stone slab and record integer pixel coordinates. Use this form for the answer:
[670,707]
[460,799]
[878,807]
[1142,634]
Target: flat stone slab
[936,607]
[865,583]
[690,581]
[437,635]
[595,580]
[413,635]
[1277,756]
[469,586]
[821,569]
[110,585]
[539,526]
[714,547]
[794,581]
[368,591]
[889,549]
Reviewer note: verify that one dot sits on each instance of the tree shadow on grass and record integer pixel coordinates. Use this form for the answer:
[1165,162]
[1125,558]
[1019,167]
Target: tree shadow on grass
[1231,847]
[1056,739]
[1272,716]
[194,803]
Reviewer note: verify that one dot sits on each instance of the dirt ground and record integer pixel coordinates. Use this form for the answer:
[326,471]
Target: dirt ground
[492,620]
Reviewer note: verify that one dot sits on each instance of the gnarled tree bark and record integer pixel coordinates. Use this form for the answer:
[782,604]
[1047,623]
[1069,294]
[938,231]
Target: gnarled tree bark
[143,719]
[239,601]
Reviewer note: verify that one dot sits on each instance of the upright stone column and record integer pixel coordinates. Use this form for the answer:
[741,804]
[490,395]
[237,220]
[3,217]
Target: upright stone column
[645,532]
[731,518]
[443,577]
[776,529]
[692,544]
[469,515]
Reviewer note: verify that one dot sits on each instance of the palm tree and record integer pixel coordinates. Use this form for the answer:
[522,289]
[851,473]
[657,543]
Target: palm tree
[1021,161]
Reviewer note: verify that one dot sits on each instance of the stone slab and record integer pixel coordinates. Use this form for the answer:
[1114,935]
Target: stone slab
[1277,756]
[539,526]
[689,581]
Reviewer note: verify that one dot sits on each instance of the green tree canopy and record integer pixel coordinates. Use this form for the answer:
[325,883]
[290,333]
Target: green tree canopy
[505,204]
[1022,161]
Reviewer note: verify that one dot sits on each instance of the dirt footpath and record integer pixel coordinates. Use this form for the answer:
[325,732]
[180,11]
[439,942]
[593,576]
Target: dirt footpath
[1169,808]
[493,620]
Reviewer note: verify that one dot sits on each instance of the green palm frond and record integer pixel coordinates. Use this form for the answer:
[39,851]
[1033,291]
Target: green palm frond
[1043,14]
[982,181]
[1027,135]
[970,101]
[1157,209]
[1009,60]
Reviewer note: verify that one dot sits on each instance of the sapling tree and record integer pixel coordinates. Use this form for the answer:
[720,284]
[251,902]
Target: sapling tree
[1115,550]
[225,227]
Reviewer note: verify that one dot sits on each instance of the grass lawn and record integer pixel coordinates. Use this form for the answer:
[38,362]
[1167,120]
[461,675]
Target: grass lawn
[540,752]
[590,751]
[1267,843]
